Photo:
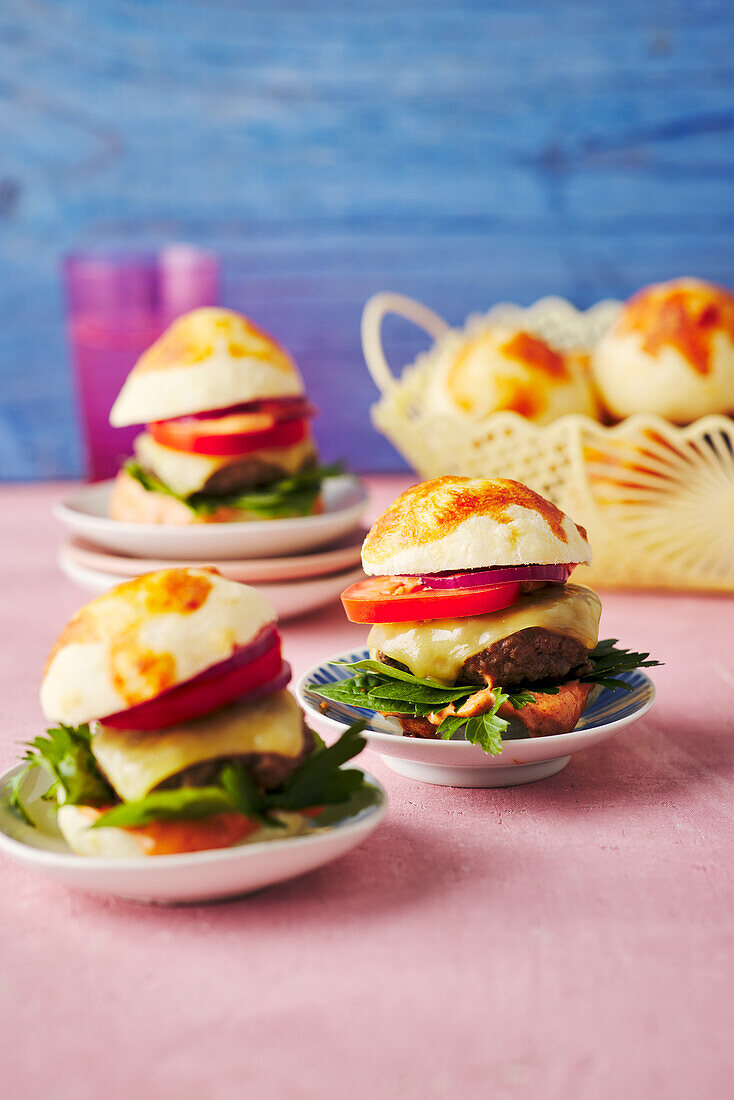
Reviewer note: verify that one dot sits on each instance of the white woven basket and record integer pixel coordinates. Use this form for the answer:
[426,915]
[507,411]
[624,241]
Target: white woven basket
[656,499]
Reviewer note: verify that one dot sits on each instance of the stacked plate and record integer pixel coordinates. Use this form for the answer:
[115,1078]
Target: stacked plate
[300,564]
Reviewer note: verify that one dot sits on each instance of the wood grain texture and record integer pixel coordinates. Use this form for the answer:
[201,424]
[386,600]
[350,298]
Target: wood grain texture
[461,151]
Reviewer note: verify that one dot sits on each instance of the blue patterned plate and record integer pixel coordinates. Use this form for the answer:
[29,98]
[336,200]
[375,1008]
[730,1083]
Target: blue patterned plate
[457,763]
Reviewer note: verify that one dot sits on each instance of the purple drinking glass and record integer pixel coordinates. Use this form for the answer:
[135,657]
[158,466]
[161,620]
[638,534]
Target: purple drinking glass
[118,304]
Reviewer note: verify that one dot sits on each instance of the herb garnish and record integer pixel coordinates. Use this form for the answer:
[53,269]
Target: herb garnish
[67,754]
[380,687]
[295,495]
[319,781]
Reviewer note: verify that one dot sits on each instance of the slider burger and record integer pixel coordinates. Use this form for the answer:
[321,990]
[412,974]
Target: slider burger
[474,624]
[174,729]
[227,428]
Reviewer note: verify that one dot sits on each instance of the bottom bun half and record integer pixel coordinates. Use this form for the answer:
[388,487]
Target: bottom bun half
[170,837]
[131,503]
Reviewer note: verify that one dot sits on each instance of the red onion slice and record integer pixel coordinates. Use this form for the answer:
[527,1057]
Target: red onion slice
[281,680]
[480,578]
[262,641]
[248,675]
[265,639]
[282,408]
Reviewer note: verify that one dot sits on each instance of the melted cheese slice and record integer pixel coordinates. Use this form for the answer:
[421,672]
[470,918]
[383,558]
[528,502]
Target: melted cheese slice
[437,648]
[186,472]
[136,761]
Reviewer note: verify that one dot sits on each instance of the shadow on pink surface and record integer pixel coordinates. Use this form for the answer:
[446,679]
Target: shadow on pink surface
[435,839]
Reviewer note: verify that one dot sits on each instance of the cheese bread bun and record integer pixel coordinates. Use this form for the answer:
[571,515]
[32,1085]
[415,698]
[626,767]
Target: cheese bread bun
[209,359]
[167,838]
[670,352]
[502,369]
[147,636]
[460,523]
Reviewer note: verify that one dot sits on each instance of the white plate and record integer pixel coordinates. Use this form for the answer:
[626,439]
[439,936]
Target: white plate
[290,598]
[456,763]
[87,514]
[194,877]
[344,554]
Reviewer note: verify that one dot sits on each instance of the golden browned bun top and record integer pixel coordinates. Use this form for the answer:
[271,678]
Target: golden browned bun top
[684,314]
[500,368]
[670,353]
[146,636]
[460,523]
[210,358]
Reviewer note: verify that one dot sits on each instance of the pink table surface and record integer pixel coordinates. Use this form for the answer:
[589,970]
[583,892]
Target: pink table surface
[571,938]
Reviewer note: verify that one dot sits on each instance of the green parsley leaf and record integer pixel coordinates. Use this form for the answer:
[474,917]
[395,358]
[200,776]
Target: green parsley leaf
[320,780]
[149,481]
[380,687]
[484,730]
[245,797]
[183,803]
[520,699]
[14,797]
[609,660]
[66,753]
[358,800]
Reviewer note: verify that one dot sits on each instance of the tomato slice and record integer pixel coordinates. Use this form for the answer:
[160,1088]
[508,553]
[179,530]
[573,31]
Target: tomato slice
[203,693]
[207,437]
[406,599]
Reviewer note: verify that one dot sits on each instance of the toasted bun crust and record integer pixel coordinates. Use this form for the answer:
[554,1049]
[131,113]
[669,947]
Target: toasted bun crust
[207,359]
[457,523]
[167,837]
[505,369]
[144,637]
[671,352]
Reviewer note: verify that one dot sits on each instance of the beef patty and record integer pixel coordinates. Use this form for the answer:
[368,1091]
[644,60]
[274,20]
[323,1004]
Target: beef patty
[252,472]
[522,658]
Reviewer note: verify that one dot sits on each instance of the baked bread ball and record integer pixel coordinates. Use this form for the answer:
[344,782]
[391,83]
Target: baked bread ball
[461,523]
[502,368]
[670,352]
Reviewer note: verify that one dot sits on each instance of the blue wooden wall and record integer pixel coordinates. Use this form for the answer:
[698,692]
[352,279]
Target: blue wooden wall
[457,150]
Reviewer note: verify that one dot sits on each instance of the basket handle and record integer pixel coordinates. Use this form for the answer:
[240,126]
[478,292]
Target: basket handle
[376,309]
